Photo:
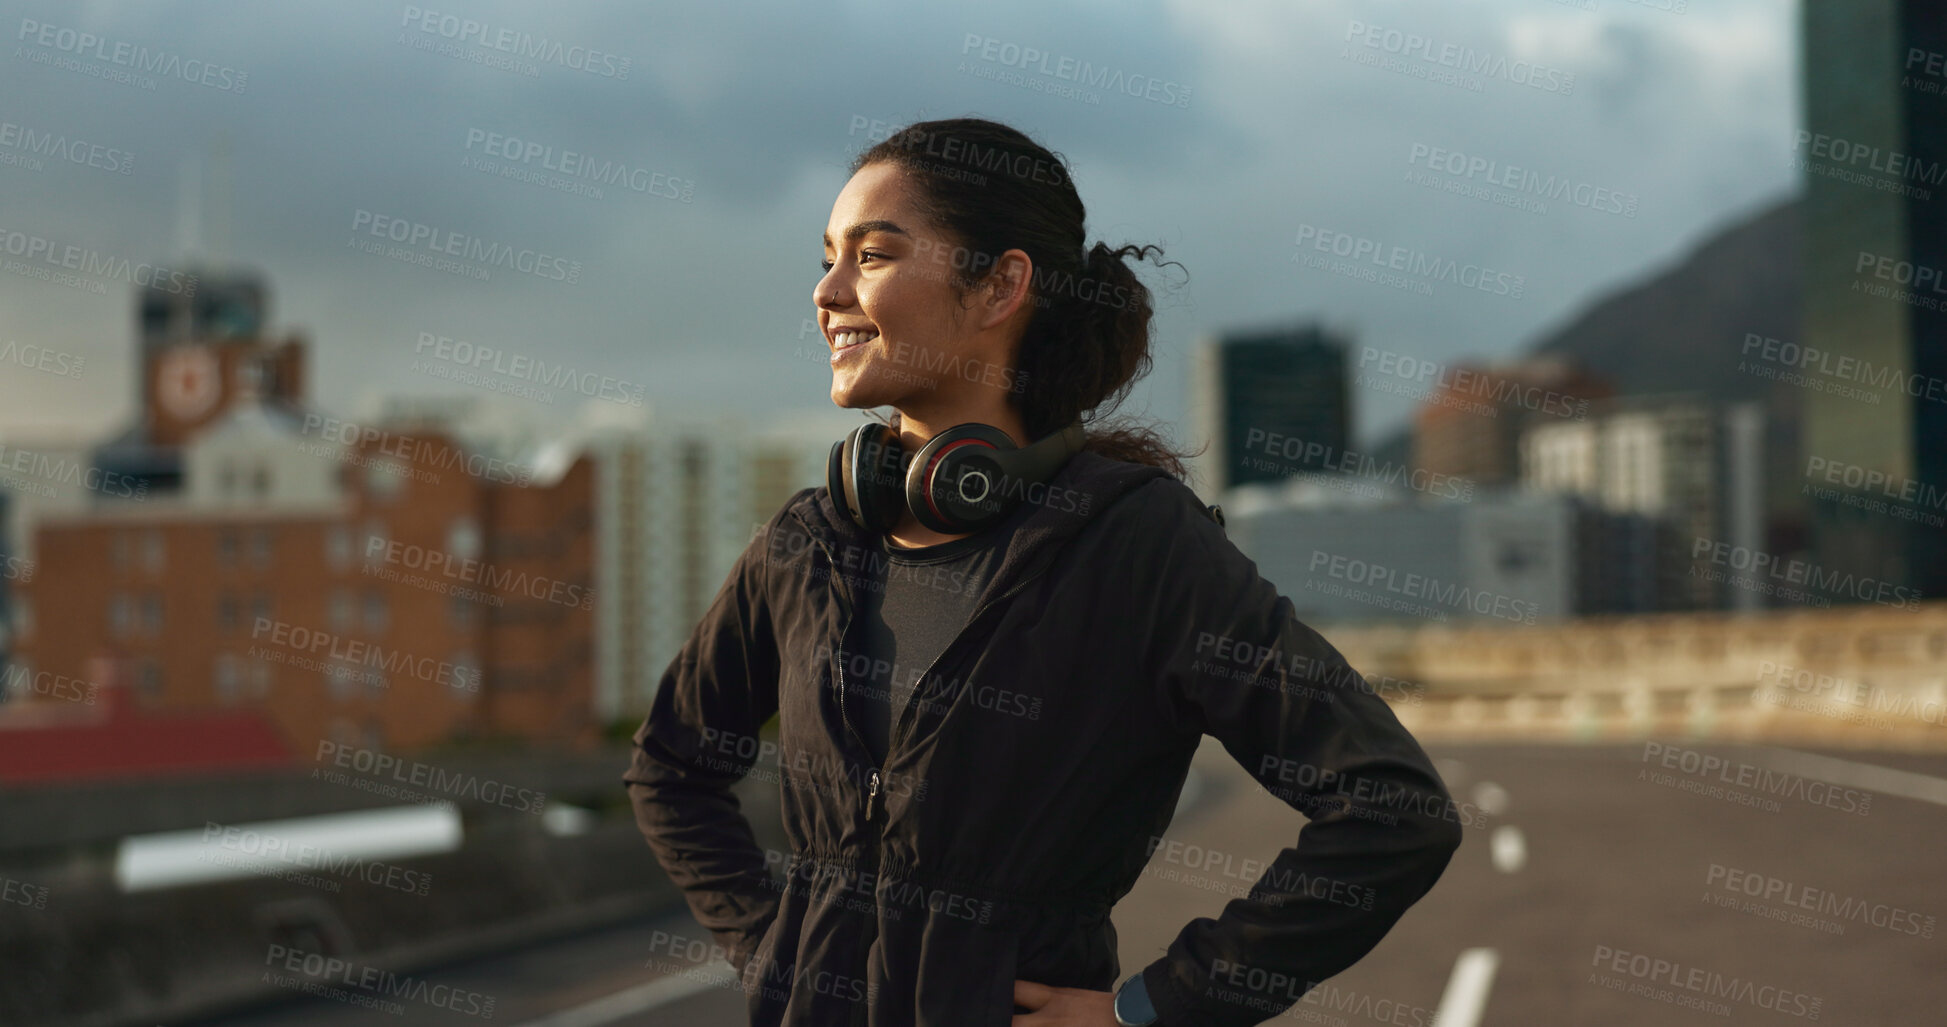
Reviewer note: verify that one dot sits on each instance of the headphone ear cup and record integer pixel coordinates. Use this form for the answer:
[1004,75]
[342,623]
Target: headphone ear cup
[872,476]
[835,482]
[954,483]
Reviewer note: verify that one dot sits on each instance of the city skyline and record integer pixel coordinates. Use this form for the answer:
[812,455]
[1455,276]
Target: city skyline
[294,192]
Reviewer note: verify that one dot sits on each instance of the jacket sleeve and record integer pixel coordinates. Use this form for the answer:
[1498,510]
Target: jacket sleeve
[700,738]
[1234,662]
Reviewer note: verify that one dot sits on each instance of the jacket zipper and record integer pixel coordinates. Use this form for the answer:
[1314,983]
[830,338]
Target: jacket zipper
[859,1013]
[845,634]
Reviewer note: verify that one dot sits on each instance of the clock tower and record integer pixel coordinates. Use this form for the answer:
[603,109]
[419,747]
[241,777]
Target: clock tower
[202,347]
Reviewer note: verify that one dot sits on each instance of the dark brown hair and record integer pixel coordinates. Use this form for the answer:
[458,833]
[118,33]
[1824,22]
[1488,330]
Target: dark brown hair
[990,188]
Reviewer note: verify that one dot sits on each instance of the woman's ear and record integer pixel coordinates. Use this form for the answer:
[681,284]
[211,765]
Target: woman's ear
[1006,287]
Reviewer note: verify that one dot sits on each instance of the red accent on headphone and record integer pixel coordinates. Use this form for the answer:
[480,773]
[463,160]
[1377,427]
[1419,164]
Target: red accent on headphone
[927,477]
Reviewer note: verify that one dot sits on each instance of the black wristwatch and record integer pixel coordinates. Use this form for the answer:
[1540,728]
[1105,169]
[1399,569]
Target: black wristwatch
[1132,1008]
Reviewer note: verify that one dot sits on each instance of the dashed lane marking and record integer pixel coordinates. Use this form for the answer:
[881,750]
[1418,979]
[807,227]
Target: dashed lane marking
[1466,996]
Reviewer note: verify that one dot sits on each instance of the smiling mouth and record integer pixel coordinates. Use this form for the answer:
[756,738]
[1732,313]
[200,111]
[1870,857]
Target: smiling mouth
[845,340]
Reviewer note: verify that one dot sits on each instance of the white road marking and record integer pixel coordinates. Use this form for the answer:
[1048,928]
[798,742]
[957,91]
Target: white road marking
[1466,996]
[641,998]
[1508,848]
[1491,798]
[1869,776]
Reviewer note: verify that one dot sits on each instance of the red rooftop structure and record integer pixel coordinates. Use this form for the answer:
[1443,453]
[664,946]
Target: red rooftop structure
[60,740]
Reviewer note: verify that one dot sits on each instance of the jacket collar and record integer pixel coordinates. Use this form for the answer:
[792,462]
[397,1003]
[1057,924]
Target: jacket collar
[1084,486]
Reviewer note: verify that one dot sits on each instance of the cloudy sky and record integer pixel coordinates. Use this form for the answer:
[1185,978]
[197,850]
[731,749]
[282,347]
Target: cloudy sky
[1302,118]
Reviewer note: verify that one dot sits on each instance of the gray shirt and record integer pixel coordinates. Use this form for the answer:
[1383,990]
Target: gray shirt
[915,609]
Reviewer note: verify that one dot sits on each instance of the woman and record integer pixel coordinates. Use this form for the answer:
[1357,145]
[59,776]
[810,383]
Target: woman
[982,734]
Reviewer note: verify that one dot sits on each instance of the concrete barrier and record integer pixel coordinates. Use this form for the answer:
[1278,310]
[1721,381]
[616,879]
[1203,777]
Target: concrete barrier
[92,956]
[1850,677]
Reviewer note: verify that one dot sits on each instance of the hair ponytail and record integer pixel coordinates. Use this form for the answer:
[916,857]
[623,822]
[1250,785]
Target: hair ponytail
[1088,340]
[1098,349]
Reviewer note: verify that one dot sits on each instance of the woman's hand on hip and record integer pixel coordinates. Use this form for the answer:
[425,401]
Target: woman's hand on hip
[1062,1007]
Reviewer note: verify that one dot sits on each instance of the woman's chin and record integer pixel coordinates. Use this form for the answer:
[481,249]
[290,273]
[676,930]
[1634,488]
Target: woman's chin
[846,393]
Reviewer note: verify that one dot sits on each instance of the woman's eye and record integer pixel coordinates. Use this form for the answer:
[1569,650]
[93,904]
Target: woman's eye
[863,257]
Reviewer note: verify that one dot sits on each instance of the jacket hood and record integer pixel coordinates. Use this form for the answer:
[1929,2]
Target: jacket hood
[1049,515]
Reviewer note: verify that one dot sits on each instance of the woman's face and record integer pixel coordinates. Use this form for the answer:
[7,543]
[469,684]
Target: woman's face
[887,273]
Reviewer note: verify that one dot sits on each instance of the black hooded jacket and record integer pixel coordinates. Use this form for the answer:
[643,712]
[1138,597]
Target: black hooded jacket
[1030,775]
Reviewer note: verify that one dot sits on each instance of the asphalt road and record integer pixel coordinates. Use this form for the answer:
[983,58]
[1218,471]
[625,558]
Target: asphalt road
[1601,885]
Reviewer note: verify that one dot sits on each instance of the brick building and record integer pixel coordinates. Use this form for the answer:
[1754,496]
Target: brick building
[434,602]
[375,584]
[1471,421]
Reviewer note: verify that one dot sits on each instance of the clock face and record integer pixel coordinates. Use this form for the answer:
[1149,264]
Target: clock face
[188,381]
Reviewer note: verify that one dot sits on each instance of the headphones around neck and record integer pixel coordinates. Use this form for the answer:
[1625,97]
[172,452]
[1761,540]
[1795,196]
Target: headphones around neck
[963,480]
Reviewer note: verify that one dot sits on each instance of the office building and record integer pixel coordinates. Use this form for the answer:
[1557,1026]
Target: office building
[1388,555]
[1249,388]
[1874,157]
[677,501]
[1678,461]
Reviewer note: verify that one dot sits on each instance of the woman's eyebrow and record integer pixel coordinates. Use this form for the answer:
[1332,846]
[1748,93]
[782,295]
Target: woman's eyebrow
[864,228]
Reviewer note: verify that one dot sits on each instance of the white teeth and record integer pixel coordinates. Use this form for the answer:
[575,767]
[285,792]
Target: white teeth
[851,338]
